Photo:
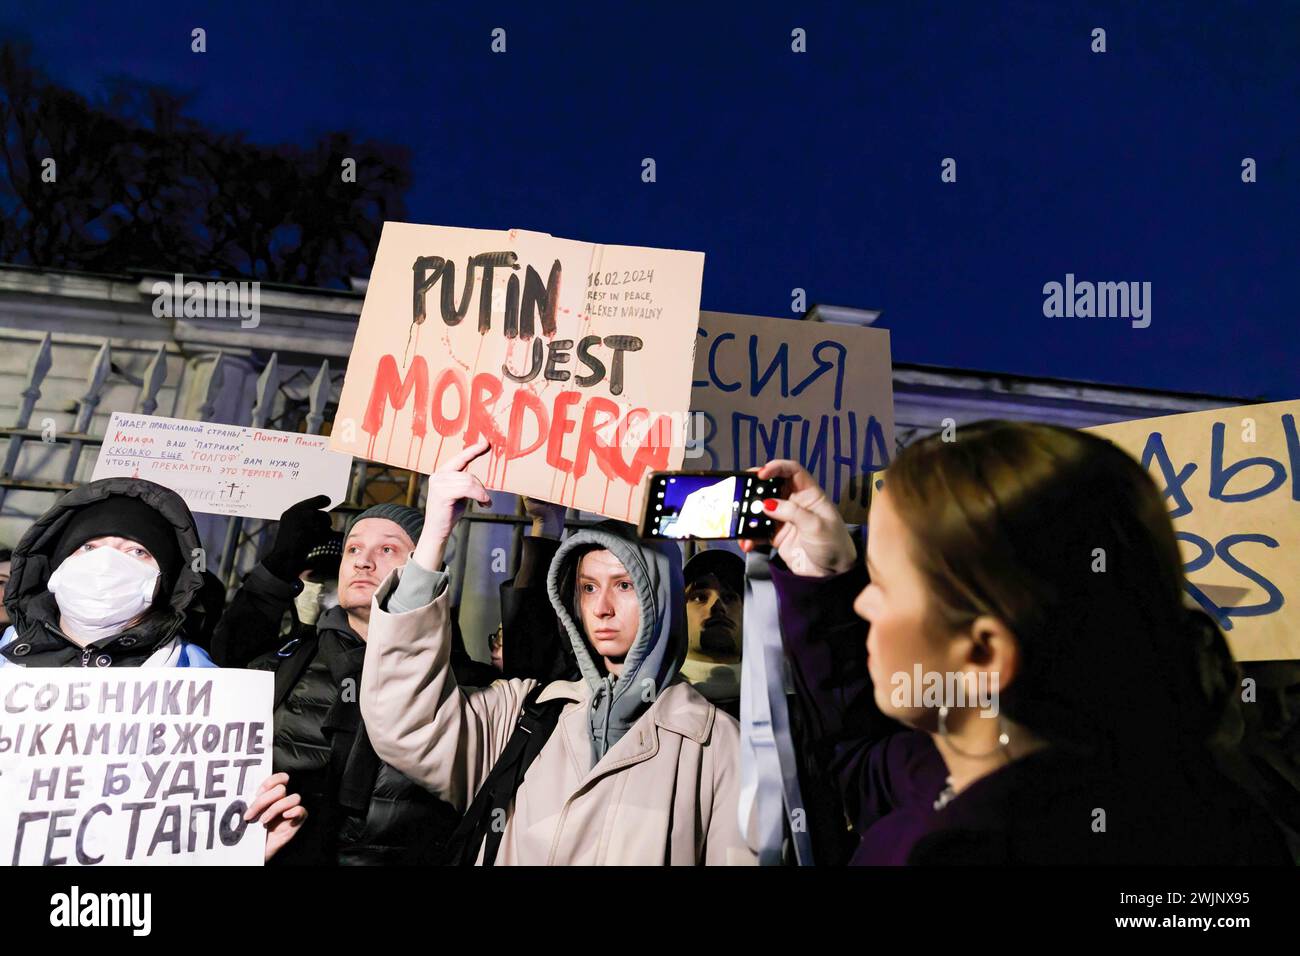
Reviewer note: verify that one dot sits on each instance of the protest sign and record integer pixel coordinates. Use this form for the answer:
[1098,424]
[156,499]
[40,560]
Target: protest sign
[818,393]
[141,765]
[223,469]
[1231,477]
[563,354]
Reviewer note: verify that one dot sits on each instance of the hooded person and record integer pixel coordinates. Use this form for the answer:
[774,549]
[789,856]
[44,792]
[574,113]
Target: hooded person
[652,663]
[638,769]
[105,579]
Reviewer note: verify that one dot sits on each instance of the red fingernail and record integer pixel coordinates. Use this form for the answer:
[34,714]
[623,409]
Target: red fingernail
[769,504]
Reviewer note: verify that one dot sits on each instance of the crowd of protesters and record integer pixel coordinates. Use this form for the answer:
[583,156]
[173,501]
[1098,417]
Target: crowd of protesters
[605,728]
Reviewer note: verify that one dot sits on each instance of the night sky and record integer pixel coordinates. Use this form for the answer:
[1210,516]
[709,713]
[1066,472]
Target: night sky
[818,170]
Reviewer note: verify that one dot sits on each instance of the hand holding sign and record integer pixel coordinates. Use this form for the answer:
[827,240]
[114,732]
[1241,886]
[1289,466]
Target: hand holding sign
[813,539]
[280,812]
[302,527]
[450,488]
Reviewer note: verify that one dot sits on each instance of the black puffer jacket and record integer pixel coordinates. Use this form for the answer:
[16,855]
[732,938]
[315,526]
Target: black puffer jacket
[187,616]
[360,810]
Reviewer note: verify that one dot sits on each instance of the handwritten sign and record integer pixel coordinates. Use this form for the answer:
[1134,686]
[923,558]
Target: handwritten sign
[223,469]
[572,358]
[142,765]
[1231,477]
[818,393]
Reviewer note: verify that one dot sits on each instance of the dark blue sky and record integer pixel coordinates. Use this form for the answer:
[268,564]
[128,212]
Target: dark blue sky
[818,170]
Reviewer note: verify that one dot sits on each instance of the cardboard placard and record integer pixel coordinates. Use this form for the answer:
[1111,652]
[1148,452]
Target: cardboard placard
[223,469]
[146,765]
[819,393]
[1231,477]
[572,358]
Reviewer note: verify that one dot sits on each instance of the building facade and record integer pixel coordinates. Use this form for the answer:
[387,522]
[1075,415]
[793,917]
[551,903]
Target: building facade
[75,347]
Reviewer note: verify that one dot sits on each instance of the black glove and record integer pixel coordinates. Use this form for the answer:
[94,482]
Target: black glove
[302,527]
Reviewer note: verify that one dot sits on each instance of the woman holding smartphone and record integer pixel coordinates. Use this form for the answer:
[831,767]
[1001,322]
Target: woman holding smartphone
[1038,563]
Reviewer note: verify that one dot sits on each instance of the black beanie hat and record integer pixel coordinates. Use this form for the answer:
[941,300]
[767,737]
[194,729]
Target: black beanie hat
[124,516]
[727,567]
[323,560]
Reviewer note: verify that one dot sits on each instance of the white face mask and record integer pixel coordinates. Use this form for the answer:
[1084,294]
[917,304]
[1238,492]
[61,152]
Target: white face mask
[314,600]
[99,592]
[307,603]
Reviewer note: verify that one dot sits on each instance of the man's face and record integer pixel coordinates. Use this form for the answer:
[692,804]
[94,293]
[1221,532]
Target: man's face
[608,605]
[374,547]
[713,619]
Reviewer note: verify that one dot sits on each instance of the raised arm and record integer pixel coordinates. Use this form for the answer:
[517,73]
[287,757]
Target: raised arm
[418,719]
[817,577]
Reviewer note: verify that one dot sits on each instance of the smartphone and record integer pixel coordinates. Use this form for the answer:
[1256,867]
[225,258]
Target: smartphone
[709,505]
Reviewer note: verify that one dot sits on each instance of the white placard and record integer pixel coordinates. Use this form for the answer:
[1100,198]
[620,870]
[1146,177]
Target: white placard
[132,766]
[224,469]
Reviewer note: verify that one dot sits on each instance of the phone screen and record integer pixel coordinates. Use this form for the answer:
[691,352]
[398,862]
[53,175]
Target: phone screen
[709,505]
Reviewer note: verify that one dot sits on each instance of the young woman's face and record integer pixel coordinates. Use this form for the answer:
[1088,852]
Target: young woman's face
[132,549]
[608,605]
[895,603]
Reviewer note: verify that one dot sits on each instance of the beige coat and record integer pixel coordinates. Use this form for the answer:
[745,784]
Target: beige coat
[666,793]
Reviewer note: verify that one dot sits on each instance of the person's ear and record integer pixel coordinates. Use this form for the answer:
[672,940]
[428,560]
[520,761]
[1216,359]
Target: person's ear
[991,646]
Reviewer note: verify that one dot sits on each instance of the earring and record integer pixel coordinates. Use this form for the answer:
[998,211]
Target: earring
[1004,739]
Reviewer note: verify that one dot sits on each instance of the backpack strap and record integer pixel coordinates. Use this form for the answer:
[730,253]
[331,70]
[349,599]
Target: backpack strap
[484,821]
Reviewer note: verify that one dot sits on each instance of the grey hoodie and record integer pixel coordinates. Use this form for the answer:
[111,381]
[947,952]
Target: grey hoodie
[657,652]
